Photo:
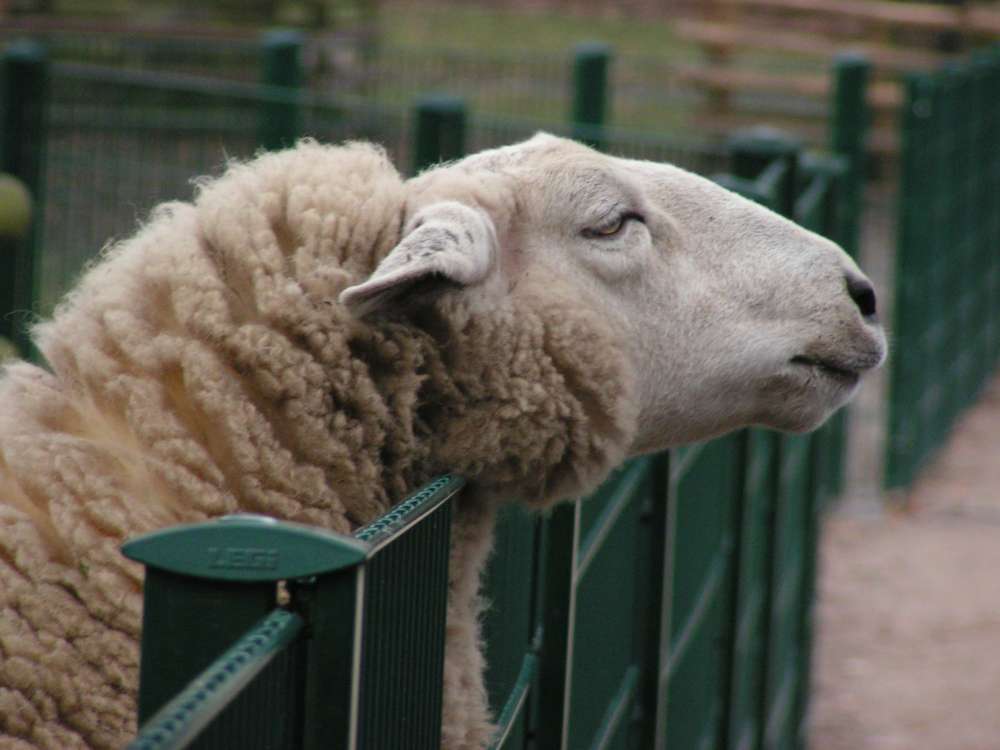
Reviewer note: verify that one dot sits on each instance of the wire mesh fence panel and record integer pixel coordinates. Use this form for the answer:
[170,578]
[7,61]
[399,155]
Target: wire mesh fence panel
[335,120]
[650,92]
[136,139]
[116,148]
[233,55]
[947,269]
[535,86]
[402,659]
[118,144]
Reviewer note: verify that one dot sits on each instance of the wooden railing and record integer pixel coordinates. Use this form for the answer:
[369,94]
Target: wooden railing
[766,61]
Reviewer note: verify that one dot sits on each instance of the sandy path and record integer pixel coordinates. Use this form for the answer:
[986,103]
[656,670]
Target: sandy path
[908,643]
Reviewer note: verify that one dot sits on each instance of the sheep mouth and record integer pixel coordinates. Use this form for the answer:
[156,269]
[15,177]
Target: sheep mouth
[831,370]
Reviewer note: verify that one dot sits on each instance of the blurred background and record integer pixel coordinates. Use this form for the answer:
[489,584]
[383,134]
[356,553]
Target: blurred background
[113,106]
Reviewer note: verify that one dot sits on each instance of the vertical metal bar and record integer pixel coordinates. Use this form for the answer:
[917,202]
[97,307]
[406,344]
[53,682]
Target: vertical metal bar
[24,78]
[652,694]
[508,625]
[807,596]
[208,583]
[990,191]
[591,92]
[556,658]
[980,206]
[281,67]
[754,561]
[334,608]
[439,133]
[848,135]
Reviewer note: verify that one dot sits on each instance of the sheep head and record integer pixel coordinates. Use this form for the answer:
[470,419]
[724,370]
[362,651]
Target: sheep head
[727,314]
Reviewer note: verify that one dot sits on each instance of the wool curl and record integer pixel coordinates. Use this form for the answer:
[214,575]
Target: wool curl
[204,367]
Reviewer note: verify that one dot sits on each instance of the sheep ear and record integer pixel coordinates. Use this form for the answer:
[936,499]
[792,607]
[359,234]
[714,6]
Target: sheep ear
[445,245]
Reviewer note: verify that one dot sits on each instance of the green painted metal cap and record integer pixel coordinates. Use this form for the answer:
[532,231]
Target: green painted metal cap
[852,59]
[15,207]
[764,141]
[283,37]
[246,548]
[441,102]
[592,49]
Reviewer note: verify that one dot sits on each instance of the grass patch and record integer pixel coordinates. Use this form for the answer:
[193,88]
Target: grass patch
[518,62]
[502,31]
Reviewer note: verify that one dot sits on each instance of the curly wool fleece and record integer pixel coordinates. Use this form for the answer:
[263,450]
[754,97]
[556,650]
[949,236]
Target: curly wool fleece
[205,367]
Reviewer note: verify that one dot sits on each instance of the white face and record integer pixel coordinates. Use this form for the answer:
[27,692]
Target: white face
[734,315]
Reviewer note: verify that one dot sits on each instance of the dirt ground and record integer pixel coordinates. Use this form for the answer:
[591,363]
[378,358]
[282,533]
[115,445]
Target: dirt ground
[908,621]
[908,625]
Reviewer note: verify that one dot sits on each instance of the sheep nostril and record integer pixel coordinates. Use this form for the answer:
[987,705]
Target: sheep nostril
[863,294]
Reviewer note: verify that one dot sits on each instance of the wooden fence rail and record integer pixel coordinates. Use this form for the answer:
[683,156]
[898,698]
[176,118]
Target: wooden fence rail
[764,61]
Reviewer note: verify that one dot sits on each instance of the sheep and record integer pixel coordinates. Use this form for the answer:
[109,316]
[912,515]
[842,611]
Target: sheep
[313,337]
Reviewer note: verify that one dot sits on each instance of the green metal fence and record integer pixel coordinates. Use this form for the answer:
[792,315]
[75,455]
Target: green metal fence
[651,92]
[325,640]
[135,139]
[947,295]
[234,56]
[690,573]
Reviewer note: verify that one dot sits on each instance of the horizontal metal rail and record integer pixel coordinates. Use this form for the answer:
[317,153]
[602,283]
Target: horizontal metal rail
[405,516]
[514,707]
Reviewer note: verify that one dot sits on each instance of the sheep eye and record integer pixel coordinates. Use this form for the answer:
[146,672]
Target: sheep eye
[613,227]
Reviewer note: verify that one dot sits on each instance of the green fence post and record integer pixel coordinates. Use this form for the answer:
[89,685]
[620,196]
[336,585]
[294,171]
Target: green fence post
[770,158]
[991,168]
[439,134]
[509,624]
[24,80]
[208,583]
[556,652]
[591,61]
[981,205]
[848,135]
[25,84]
[919,148]
[281,113]
[191,718]
[15,224]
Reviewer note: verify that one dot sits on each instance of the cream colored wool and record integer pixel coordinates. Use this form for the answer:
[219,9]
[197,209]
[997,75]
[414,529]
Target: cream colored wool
[313,338]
